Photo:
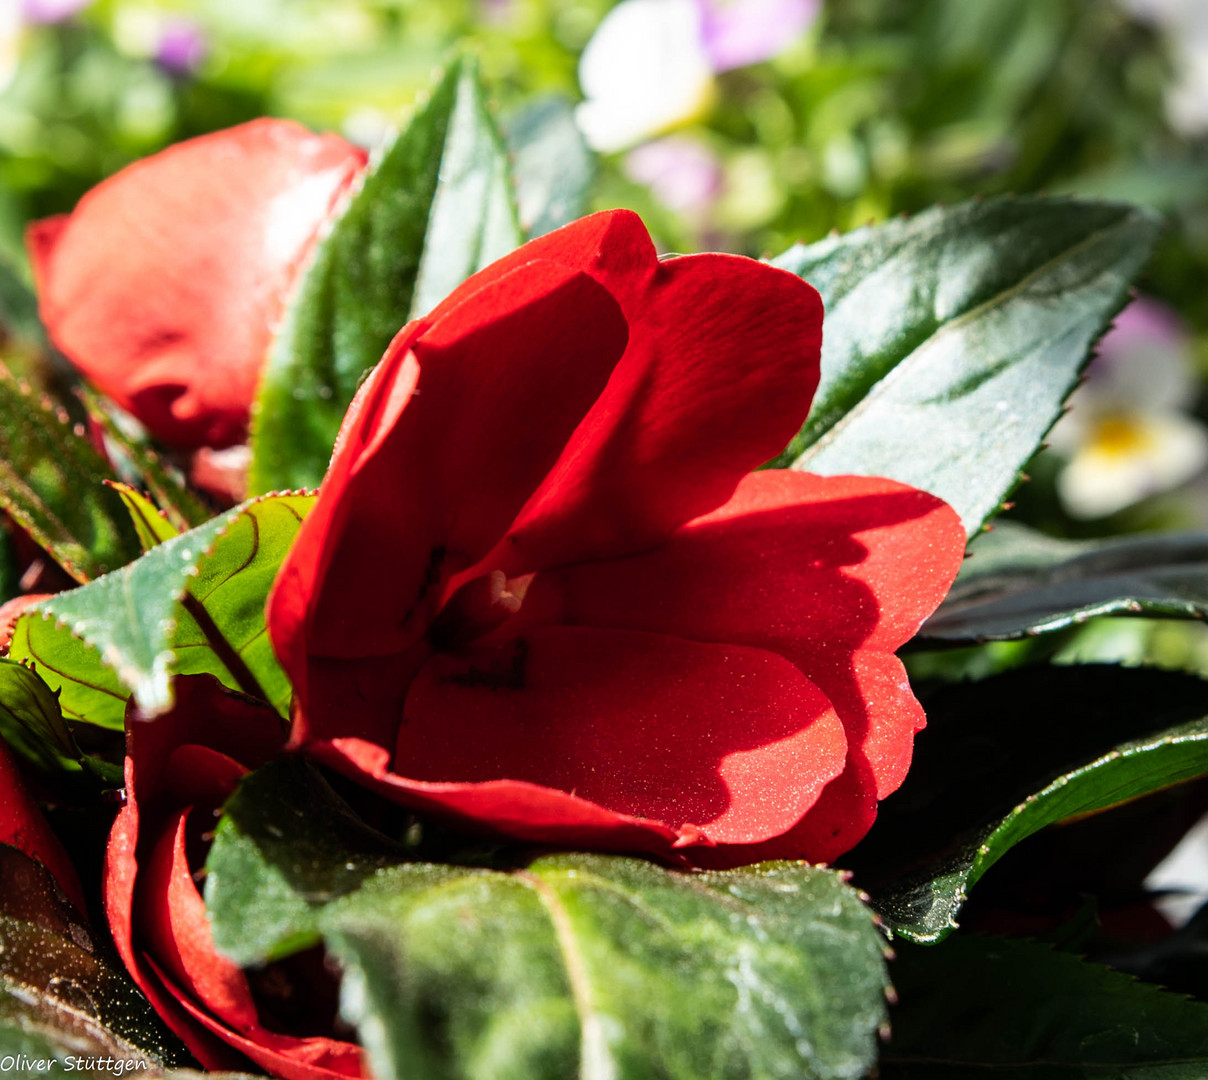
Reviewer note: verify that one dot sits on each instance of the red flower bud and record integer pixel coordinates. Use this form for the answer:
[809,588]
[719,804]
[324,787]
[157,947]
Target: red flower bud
[180,769]
[540,596]
[22,826]
[163,286]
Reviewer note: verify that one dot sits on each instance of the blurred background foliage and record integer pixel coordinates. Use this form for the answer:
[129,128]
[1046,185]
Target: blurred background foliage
[864,110]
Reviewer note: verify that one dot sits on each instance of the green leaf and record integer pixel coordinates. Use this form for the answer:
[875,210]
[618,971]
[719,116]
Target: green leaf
[32,723]
[553,166]
[571,965]
[141,464]
[60,996]
[953,338]
[435,207]
[19,320]
[51,485]
[1015,1010]
[1004,757]
[1019,583]
[193,604]
[152,526]
[89,691]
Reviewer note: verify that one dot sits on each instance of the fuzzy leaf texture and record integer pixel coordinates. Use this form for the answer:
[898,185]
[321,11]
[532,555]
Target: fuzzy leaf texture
[193,604]
[60,996]
[51,485]
[434,207]
[572,965]
[953,338]
[140,466]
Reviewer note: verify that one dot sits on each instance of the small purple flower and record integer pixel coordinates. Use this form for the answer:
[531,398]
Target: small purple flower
[684,174]
[51,11]
[741,32]
[182,46]
[1145,325]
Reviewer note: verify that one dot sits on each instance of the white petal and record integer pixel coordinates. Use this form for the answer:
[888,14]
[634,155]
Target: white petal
[644,70]
[1128,458]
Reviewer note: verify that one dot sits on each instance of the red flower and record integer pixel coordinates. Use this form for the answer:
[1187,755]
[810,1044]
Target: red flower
[540,596]
[180,769]
[164,284]
[23,827]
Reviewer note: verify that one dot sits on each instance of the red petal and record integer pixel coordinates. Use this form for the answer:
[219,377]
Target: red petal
[314,1058]
[791,561]
[166,771]
[230,726]
[839,819]
[460,424]
[22,826]
[164,284]
[177,933]
[713,743]
[119,880]
[830,572]
[174,929]
[721,367]
[872,695]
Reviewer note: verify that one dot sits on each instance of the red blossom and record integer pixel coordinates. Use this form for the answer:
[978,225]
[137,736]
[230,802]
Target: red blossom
[22,826]
[542,594]
[180,769]
[164,284]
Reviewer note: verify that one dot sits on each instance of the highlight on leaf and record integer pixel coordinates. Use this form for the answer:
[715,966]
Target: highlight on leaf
[192,604]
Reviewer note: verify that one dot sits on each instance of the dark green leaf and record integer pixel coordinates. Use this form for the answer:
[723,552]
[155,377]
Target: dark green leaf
[434,208]
[26,701]
[32,723]
[141,465]
[1015,1010]
[953,338]
[554,168]
[287,846]
[1003,758]
[1017,583]
[193,604]
[51,485]
[575,965]
[60,996]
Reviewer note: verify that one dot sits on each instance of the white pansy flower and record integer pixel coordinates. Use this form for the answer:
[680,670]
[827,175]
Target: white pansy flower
[644,71]
[649,67]
[1128,435]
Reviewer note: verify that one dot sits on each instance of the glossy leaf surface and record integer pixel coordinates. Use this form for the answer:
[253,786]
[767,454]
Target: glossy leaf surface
[1018,583]
[569,965]
[995,1007]
[32,722]
[953,338]
[1004,757]
[553,166]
